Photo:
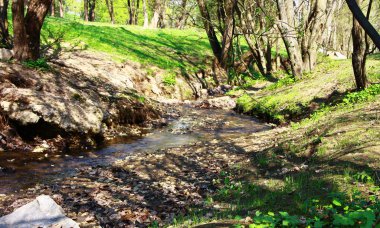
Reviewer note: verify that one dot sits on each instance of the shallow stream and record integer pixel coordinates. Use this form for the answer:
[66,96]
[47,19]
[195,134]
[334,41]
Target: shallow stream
[22,170]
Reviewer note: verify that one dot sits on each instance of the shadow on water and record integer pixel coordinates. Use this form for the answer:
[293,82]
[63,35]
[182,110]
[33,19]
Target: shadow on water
[22,170]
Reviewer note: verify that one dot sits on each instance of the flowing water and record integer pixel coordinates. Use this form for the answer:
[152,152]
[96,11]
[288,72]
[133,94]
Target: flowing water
[22,170]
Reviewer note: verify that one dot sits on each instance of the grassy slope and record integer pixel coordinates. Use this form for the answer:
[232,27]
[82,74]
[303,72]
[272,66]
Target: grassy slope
[333,155]
[281,102]
[168,49]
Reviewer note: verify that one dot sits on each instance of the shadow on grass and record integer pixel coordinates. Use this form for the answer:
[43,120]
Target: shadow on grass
[133,43]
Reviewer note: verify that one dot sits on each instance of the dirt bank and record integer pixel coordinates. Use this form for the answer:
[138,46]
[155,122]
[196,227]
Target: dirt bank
[78,100]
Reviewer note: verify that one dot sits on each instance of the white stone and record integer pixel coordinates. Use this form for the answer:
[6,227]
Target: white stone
[222,102]
[6,54]
[42,212]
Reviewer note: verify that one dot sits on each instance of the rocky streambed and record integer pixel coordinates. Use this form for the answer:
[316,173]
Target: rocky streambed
[133,181]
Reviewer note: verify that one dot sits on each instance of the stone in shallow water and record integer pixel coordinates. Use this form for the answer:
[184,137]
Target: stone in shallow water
[41,212]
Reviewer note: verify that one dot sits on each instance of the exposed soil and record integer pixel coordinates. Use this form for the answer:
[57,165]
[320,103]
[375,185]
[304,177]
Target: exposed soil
[81,99]
[150,185]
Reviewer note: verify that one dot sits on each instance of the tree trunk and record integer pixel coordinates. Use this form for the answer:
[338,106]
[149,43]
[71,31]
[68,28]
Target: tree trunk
[61,9]
[289,36]
[364,23]
[312,37]
[4,35]
[85,10]
[109,4]
[184,15]
[158,15]
[146,17]
[358,54]
[130,12]
[230,7]
[91,12]
[52,9]
[213,39]
[27,29]
[136,15]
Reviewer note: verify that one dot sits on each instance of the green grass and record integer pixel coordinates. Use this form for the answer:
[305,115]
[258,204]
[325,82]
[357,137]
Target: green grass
[169,49]
[289,100]
[338,146]
[304,199]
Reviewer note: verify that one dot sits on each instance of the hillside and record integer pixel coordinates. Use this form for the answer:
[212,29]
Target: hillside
[124,127]
[168,49]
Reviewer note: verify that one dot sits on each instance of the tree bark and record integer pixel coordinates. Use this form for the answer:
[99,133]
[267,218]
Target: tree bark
[213,39]
[158,15]
[52,9]
[91,11]
[359,55]
[61,9]
[312,37]
[230,7]
[364,23]
[184,15]
[109,4]
[85,10]
[4,35]
[136,15]
[289,36]
[133,6]
[27,29]
[146,17]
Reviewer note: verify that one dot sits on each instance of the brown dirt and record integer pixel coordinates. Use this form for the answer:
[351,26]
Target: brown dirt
[82,98]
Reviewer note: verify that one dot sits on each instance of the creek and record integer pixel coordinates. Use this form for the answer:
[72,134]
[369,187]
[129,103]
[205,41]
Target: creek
[18,171]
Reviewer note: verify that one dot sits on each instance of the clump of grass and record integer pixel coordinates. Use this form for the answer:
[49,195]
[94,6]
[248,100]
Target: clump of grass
[169,79]
[267,109]
[349,100]
[281,83]
[40,64]
[361,96]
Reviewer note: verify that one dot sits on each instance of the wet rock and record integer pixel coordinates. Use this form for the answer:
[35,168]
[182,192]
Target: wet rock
[219,102]
[42,212]
[41,148]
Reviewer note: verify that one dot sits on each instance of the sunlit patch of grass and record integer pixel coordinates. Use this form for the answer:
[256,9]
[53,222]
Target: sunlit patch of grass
[169,49]
[288,100]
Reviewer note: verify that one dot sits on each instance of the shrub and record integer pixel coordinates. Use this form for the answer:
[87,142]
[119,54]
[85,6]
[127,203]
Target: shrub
[40,63]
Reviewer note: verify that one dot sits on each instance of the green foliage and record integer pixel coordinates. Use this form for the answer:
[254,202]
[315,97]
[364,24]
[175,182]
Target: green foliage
[362,96]
[263,108]
[338,211]
[348,100]
[169,79]
[289,100]
[40,64]
[281,83]
[363,177]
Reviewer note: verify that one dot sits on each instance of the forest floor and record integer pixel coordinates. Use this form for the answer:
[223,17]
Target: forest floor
[229,166]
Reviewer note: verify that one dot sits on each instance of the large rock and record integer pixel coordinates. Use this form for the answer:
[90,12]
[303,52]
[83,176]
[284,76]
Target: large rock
[219,102]
[6,54]
[42,212]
